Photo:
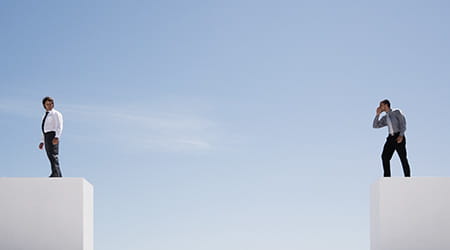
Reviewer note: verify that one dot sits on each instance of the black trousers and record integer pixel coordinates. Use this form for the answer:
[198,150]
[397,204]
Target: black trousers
[52,153]
[390,146]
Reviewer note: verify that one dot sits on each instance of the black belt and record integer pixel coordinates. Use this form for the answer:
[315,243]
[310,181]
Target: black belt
[395,134]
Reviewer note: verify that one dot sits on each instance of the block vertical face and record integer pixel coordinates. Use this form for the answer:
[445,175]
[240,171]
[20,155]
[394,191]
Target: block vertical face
[88,216]
[410,214]
[45,214]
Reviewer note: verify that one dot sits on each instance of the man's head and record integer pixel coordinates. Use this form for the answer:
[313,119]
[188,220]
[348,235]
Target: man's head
[48,103]
[385,105]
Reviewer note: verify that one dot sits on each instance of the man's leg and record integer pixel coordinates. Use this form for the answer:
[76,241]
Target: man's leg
[52,154]
[55,161]
[401,151]
[386,156]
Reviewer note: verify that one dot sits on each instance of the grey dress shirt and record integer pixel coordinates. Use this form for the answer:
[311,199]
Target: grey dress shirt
[397,118]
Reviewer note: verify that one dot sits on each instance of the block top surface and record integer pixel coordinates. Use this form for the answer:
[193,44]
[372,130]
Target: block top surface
[42,180]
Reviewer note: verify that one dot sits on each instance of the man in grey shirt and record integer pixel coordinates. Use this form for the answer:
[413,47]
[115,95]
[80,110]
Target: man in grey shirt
[396,141]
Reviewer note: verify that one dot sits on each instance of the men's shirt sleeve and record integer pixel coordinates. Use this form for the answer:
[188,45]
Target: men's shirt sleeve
[379,123]
[42,138]
[402,122]
[59,125]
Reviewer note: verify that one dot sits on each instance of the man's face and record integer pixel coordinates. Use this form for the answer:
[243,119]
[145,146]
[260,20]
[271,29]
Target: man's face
[384,107]
[49,105]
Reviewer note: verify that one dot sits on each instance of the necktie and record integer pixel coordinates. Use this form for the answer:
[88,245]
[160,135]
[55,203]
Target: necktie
[43,122]
[389,123]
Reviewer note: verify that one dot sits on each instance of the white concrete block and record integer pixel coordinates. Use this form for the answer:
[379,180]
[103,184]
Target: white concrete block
[410,214]
[46,214]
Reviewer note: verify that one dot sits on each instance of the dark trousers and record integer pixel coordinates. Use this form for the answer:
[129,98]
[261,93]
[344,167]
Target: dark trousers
[390,146]
[52,154]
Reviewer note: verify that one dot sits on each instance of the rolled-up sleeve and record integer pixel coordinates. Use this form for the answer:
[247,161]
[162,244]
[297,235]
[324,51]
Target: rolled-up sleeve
[379,123]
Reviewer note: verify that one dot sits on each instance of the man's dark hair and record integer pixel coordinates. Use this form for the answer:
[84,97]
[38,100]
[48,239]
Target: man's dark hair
[387,102]
[47,98]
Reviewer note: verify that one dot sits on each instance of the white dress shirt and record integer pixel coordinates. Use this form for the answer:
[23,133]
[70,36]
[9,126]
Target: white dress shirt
[389,124]
[53,122]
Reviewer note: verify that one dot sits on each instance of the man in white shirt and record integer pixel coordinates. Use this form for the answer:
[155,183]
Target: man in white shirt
[52,125]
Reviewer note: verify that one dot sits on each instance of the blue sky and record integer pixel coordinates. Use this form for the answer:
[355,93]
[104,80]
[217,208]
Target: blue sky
[225,124]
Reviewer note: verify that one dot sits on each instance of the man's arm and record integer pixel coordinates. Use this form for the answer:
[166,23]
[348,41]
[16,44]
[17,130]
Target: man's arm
[402,121]
[379,123]
[59,125]
[59,128]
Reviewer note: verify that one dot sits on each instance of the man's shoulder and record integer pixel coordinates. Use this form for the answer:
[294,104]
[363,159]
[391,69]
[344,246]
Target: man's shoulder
[56,111]
[397,112]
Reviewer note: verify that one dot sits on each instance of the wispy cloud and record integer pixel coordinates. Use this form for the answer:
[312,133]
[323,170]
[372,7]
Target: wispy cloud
[161,131]
[133,127]
[19,108]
